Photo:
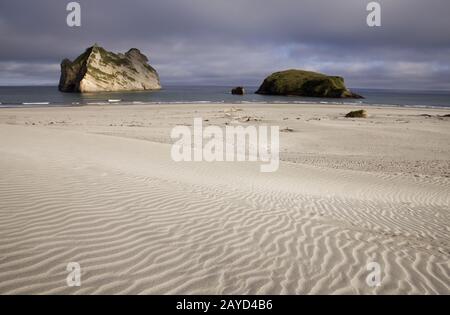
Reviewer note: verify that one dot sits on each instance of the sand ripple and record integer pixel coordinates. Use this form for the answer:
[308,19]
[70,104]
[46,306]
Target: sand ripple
[138,223]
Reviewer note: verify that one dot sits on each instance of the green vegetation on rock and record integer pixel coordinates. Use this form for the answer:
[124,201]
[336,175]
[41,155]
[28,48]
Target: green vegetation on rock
[99,74]
[149,68]
[305,83]
[111,58]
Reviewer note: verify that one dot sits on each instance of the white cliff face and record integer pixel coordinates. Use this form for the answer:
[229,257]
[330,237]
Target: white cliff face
[99,70]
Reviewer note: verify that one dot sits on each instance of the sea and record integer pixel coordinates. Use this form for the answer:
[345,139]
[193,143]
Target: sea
[34,96]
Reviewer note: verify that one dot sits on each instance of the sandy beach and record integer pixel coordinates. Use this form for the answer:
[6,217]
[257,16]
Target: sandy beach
[96,185]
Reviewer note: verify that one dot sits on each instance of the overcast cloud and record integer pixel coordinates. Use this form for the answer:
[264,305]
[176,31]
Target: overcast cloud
[235,41]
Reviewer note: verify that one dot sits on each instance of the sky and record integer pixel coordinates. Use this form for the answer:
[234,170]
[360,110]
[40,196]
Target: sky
[235,42]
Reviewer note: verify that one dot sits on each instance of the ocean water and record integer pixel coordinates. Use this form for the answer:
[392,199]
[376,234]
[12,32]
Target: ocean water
[23,96]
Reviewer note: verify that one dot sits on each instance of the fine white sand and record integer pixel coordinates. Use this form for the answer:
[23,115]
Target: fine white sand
[96,185]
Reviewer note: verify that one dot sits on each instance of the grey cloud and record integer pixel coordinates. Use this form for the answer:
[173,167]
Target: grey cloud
[231,42]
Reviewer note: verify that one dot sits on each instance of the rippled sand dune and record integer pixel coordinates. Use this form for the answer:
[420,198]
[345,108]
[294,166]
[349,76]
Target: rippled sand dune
[101,189]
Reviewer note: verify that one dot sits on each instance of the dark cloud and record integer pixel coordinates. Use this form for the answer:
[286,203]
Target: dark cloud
[236,42]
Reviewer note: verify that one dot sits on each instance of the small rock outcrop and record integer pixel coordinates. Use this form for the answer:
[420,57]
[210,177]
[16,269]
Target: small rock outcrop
[305,83]
[357,114]
[239,90]
[98,70]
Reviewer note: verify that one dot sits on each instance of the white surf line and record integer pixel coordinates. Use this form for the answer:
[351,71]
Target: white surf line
[35,103]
